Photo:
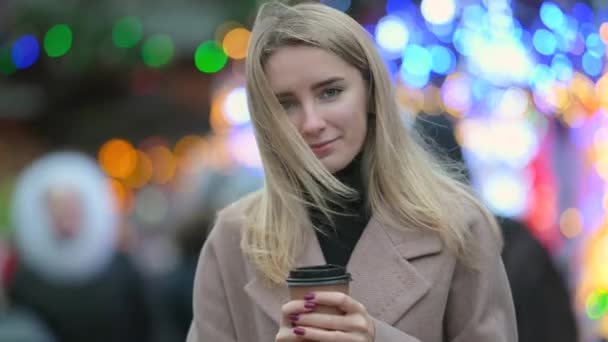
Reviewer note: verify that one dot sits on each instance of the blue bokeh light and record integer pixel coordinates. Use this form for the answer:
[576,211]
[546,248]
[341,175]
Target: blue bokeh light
[517,30]
[392,66]
[417,60]
[601,15]
[25,51]
[565,43]
[592,65]
[417,34]
[473,15]
[582,12]
[586,29]
[541,76]
[480,88]
[414,80]
[569,25]
[562,67]
[461,40]
[566,34]
[443,59]
[551,15]
[544,42]
[443,31]
[393,6]
[595,45]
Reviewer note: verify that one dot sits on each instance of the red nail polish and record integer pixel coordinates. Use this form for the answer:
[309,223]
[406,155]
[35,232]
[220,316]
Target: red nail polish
[310,305]
[309,296]
[299,331]
[293,317]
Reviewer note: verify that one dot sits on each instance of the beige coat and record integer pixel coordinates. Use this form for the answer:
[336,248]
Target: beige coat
[410,284]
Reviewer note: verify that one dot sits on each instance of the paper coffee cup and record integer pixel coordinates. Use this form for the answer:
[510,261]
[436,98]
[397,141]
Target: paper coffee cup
[308,279]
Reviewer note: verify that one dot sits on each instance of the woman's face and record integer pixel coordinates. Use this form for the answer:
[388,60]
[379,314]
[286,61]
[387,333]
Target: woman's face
[325,98]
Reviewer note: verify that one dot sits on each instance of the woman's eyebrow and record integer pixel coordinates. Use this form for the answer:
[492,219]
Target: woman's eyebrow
[315,86]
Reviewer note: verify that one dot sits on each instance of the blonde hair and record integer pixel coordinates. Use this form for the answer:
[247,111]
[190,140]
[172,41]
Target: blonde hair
[406,186]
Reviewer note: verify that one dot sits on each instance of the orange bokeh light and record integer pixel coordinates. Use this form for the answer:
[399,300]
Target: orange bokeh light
[163,164]
[217,117]
[236,42]
[190,152]
[604,32]
[571,223]
[118,158]
[223,29]
[601,91]
[142,173]
[187,144]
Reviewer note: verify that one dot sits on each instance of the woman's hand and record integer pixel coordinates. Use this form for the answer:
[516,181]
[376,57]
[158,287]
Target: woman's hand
[301,322]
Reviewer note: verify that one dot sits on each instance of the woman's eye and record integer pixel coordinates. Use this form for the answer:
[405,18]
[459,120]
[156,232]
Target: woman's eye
[331,92]
[287,105]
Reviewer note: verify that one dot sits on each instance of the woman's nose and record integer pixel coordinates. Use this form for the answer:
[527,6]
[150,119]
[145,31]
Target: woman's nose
[313,122]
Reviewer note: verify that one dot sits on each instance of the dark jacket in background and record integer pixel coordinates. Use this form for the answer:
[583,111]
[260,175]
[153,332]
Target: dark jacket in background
[542,302]
[109,308]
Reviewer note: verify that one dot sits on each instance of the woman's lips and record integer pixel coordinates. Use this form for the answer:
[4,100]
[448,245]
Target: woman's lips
[322,149]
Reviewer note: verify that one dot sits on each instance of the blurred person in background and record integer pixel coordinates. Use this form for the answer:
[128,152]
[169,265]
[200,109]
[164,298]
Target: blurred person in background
[543,305]
[69,271]
[346,184]
[214,189]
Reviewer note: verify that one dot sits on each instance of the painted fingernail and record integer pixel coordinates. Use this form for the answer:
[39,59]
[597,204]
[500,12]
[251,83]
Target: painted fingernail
[310,305]
[293,317]
[299,331]
[309,296]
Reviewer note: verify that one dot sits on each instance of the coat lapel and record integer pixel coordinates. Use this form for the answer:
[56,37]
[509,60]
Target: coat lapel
[383,278]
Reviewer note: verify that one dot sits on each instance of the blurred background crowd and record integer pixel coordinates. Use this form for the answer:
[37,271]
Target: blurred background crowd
[124,127]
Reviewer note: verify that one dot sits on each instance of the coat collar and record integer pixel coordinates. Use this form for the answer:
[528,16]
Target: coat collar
[384,280]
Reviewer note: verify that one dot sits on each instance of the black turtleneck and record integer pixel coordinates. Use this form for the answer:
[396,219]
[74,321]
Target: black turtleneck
[338,242]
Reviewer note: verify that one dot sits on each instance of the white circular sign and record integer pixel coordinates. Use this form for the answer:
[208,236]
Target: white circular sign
[85,253]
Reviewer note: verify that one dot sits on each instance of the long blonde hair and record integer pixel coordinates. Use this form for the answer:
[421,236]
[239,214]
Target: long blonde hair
[405,184]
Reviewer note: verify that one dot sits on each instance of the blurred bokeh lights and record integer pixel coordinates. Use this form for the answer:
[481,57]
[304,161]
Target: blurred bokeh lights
[526,87]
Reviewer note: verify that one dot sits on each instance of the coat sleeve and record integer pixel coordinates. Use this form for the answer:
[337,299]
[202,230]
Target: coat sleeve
[480,305]
[212,320]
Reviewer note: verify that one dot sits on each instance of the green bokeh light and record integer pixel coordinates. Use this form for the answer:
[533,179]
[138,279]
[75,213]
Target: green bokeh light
[7,66]
[127,32]
[157,50]
[58,40]
[210,57]
[6,191]
[597,304]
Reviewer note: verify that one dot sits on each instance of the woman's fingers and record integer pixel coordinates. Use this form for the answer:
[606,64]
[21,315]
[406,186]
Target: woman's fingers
[286,334]
[295,307]
[291,312]
[302,322]
[338,300]
[349,322]
[321,335]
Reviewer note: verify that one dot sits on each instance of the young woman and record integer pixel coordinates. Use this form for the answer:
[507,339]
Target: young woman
[346,184]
